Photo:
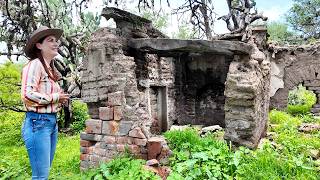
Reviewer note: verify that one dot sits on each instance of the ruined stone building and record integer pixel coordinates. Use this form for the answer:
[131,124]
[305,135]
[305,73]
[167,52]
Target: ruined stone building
[292,66]
[137,83]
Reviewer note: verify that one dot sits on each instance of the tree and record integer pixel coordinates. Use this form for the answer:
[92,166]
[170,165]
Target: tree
[19,18]
[240,15]
[278,32]
[10,78]
[304,16]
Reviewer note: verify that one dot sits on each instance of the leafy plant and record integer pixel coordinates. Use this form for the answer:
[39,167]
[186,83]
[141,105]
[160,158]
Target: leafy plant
[200,158]
[124,167]
[300,100]
[80,115]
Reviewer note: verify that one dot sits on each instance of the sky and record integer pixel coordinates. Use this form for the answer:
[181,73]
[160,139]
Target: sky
[273,9]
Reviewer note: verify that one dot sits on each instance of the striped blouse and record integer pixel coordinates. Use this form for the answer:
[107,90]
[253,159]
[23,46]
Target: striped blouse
[39,93]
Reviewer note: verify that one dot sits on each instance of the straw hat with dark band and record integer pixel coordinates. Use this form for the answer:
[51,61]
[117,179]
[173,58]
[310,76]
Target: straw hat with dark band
[37,35]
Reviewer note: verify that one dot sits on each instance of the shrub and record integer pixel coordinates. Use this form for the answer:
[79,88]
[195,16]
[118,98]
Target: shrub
[80,115]
[300,100]
[10,127]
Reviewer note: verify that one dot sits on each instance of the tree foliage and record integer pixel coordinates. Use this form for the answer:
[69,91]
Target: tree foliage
[304,16]
[10,78]
[20,18]
[279,33]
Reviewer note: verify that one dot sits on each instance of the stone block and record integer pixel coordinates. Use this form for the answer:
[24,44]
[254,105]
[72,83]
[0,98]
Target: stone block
[154,147]
[117,113]
[125,127]
[84,165]
[106,113]
[93,126]
[85,143]
[104,145]
[84,157]
[139,142]
[95,158]
[134,149]
[86,150]
[90,137]
[116,98]
[124,140]
[99,151]
[109,139]
[110,127]
[120,147]
[93,110]
[137,133]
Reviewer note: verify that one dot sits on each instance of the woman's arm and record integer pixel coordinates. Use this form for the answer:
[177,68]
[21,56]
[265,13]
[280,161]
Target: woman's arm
[31,76]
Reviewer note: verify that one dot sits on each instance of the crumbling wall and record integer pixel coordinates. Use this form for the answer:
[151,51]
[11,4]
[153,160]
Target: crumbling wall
[247,95]
[116,86]
[292,66]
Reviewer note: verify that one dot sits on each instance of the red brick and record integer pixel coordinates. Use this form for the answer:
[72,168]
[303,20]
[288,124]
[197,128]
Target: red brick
[110,127]
[117,113]
[124,140]
[84,157]
[109,139]
[99,151]
[154,147]
[93,126]
[106,113]
[85,143]
[136,132]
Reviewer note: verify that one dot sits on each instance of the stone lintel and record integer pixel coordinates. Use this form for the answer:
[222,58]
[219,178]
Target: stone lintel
[170,47]
[120,15]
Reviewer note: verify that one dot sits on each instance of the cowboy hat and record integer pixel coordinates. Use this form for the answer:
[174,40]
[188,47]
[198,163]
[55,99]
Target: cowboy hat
[38,34]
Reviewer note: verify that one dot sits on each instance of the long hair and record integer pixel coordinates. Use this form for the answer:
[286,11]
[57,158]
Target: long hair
[52,74]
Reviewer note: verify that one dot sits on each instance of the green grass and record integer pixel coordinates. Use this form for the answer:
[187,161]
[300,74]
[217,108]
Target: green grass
[286,155]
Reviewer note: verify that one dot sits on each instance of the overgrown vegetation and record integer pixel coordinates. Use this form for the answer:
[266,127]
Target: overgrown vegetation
[124,167]
[79,116]
[200,158]
[300,100]
[285,155]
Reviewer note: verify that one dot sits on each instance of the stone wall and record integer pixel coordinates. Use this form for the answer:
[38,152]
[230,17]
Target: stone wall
[292,66]
[117,86]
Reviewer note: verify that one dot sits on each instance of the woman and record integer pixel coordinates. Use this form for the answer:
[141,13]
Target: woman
[42,97]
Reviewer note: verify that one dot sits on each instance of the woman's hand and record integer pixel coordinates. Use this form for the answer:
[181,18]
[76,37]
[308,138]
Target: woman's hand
[63,98]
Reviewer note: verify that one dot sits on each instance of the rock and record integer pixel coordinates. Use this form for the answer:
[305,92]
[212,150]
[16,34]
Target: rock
[314,153]
[152,162]
[137,133]
[309,127]
[181,128]
[211,129]
[154,147]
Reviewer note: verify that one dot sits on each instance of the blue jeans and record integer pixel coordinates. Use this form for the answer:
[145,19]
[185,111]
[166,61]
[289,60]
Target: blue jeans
[40,134]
